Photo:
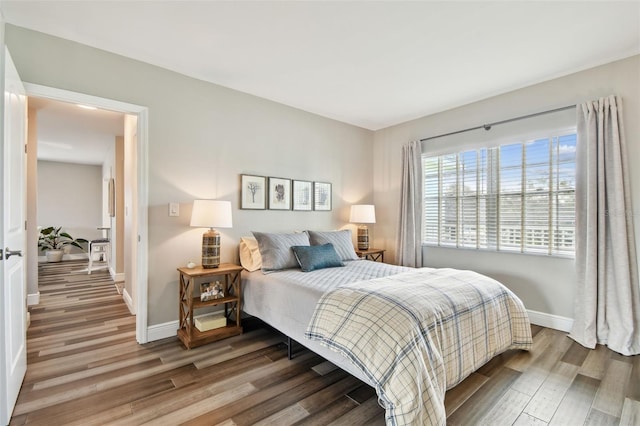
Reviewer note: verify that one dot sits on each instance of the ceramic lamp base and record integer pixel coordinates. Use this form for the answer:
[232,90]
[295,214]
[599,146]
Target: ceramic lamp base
[211,249]
[363,237]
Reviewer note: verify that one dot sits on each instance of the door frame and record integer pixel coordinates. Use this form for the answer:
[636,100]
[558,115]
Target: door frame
[142,161]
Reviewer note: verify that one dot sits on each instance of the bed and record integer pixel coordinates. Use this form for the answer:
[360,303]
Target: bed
[372,320]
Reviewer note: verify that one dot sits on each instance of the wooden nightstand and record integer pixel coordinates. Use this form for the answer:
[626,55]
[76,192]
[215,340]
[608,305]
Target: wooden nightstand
[371,254]
[188,333]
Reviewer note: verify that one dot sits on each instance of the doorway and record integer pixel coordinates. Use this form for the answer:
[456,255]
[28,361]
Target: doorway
[76,152]
[136,206]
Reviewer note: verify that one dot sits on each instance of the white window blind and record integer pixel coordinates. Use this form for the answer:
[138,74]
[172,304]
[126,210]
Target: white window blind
[517,197]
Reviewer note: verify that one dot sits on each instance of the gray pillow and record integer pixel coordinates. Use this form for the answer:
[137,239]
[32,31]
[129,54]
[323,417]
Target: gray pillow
[341,241]
[275,250]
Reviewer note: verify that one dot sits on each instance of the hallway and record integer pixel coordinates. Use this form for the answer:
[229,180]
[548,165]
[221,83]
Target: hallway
[80,323]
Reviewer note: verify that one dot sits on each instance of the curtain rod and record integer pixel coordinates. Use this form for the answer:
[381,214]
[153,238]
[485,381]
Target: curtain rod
[488,126]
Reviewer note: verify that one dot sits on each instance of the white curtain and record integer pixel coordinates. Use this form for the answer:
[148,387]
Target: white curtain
[607,308]
[410,232]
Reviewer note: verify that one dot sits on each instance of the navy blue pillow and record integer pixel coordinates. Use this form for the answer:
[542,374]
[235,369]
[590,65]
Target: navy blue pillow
[311,258]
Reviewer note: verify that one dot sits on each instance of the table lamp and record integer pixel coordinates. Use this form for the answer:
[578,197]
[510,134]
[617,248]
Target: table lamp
[211,214]
[363,213]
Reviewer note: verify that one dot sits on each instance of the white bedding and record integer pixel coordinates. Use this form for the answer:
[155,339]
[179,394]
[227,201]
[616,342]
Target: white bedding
[419,333]
[286,299]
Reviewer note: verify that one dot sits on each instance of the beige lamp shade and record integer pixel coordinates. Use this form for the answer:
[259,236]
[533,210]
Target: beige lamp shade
[211,214]
[363,213]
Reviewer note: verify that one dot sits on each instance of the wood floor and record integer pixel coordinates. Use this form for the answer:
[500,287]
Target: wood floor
[85,368]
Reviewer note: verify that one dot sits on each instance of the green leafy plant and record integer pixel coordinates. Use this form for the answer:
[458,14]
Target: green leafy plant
[52,238]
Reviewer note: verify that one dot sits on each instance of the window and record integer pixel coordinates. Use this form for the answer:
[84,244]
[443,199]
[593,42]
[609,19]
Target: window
[518,197]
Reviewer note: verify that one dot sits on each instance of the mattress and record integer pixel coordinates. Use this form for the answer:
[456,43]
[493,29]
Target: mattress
[286,299]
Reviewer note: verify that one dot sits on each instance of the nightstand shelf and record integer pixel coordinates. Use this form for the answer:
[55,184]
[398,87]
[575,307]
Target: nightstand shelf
[188,334]
[199,338]
[197,303]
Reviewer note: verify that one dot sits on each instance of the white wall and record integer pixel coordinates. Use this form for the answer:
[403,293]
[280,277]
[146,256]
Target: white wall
[117,233]
[202,137]
[70,195]
[108,171]
[32,251]
[112,167]
[130,209]
[545,284]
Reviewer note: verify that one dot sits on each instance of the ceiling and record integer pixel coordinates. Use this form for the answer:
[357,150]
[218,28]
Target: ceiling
[371,64]
[71,134]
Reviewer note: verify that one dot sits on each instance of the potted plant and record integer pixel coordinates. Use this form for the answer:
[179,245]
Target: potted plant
[52,241]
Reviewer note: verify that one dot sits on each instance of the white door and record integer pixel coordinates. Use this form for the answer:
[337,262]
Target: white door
[13,333]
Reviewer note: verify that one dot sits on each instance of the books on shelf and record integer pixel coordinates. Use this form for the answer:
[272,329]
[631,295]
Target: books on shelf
[209,322]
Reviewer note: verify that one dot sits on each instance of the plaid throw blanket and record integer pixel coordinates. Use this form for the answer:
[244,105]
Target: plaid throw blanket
[419,333]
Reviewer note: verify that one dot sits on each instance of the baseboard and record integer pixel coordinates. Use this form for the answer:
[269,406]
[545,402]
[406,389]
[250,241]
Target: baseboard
[33,299]
[72,256]
[550,321]
[169,329]
[116,277]
[128,301]
[162,331]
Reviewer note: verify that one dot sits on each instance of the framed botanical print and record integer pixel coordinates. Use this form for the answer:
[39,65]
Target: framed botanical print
[279,194]
[253,193]
[302,195]
[322,196]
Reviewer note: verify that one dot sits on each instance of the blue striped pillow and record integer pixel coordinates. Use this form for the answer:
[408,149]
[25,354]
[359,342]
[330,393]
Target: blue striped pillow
[311,258]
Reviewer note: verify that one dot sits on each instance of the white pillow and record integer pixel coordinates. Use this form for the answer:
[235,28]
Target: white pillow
[250,258]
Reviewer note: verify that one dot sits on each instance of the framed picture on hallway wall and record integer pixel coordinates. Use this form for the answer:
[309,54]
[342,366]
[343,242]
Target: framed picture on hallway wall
[112,197]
